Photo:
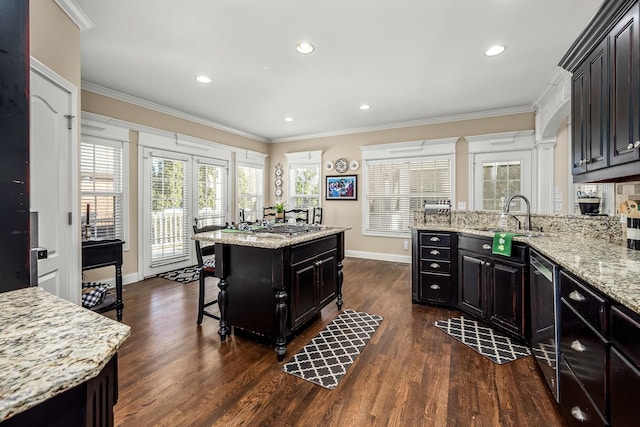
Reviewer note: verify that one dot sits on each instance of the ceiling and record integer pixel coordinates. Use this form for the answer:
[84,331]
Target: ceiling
[412,61]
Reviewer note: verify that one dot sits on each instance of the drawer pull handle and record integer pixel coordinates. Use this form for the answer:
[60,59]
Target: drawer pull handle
[486,246]
[434,287]
[630,146]
[578,414]
[636,144]
[435,252]
[577,296]
[578,346]
[434,265]
[435,239]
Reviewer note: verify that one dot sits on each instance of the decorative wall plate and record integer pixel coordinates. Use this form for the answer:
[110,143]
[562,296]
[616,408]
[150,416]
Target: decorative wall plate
[278,182]
[278,192]
[278,172]
[328,166]
[341,165]
[354,165]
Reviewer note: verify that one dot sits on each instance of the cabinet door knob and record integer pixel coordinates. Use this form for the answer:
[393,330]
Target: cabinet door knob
[636,144]
[581,162]
[486,246]
[434,287]
[578,346]
[435,239]
[488,264]
[435,252]
[434,265]
[630,146]
[576,296]
[578,414]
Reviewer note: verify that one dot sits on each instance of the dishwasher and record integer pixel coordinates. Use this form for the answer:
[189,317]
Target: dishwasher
[545,306]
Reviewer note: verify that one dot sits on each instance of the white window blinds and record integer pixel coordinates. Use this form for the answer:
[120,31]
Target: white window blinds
[102,189]
[212,194]
[249,191]
[394,188]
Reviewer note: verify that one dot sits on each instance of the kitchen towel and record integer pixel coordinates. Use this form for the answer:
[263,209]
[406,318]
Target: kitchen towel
[502,243]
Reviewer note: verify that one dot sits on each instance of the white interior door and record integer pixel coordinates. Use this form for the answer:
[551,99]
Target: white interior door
[51,187]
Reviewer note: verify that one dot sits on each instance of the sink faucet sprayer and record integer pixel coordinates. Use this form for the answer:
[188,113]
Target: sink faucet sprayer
[527,222]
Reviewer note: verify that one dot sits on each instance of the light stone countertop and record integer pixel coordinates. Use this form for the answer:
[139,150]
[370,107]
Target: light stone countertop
[266,240]
[606,265]
[48,346]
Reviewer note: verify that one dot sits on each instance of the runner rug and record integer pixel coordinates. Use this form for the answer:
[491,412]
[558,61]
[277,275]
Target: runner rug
[328,356]
[489,343]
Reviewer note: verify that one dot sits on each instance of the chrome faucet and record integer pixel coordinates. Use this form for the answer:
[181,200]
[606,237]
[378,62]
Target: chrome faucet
[527,222]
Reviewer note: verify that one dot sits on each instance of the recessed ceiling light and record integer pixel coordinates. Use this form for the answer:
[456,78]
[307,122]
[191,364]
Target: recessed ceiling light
[365,106]
[304,47]
[288,119]
[203,79]
[495,50]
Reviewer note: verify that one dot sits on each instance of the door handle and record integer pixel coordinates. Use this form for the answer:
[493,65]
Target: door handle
[42,253]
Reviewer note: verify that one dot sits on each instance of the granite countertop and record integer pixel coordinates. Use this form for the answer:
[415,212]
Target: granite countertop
[49,345]
[266,240]
[606,265]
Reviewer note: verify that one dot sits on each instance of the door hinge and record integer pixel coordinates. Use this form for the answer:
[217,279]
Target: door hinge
[69,118]
[70,218]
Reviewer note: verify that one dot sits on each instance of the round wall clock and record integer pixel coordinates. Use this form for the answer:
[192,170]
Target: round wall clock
[341,165]
[354,165]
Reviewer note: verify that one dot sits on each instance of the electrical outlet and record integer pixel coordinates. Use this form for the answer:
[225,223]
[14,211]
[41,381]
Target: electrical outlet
[406,245]
[462,206]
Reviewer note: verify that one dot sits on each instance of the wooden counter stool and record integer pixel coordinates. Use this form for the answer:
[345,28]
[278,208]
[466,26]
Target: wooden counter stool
[206,268]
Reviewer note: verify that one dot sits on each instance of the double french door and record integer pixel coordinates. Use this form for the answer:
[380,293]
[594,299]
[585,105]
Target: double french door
[177,189]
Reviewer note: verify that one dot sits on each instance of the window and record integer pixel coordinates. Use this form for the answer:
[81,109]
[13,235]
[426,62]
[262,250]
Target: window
[212,206]
[399,178]
[304,177]
[396,188]
[249,191]
[501,180]
[101,187]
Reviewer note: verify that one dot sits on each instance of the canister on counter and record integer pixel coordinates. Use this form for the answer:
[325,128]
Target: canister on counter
[633,233]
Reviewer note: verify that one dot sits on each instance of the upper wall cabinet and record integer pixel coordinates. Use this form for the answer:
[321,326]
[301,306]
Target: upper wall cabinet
[605,104]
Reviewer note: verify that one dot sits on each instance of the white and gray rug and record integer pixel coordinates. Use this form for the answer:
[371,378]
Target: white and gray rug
[489,343]
[328,356]
[182,275]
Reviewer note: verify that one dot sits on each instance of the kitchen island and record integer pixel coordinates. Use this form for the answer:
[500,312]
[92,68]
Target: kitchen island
[271,284]
[58,362]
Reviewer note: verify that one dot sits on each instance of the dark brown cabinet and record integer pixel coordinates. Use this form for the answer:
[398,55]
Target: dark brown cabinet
[584,348]
[433,257]
[624,367]
[492,287]
[605,95]
[590,111]
[625,89]
[313,285]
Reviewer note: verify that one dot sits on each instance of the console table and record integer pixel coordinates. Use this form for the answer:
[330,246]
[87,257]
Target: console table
[103,253]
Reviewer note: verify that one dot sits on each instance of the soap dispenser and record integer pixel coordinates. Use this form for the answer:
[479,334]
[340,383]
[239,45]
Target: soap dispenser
[502,222]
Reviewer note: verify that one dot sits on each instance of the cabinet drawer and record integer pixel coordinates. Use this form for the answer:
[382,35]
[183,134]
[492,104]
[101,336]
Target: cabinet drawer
[575,405]
[625,333]
[590,305]
[435,252]
[483,245]
[585,352]
[435,239]
[435,288]
[435,266]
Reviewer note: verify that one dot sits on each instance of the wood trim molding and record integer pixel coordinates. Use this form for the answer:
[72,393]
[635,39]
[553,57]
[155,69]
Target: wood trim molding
[76,14]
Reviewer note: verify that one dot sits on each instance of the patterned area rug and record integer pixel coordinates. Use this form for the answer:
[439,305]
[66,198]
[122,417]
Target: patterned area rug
[489,343]
[182,275]
[328,356]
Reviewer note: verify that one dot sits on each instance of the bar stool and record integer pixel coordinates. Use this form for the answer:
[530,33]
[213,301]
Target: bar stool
[206,268]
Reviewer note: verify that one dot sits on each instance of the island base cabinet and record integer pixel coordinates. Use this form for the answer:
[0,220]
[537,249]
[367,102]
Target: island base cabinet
[575,405]
[89,404]
[313,286]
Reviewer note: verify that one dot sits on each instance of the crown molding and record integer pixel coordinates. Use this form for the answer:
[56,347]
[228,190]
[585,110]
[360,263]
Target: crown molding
[412,123]
[76,14]
[101,90]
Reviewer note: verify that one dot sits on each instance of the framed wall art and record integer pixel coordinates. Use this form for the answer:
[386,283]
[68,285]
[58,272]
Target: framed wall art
[343,187]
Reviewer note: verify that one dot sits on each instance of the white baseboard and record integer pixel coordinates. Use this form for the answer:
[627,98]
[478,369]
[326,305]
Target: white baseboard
[405,259]
[126,279]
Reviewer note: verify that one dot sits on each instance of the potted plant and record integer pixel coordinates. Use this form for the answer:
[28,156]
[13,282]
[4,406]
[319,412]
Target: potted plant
[279,210]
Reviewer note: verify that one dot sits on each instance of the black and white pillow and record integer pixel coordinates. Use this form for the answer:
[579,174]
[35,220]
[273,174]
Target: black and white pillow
[93,293]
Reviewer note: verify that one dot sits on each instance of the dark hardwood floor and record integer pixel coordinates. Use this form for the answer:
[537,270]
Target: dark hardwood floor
[175,373]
